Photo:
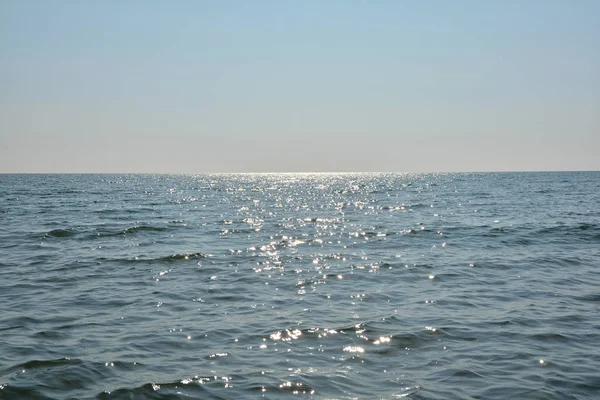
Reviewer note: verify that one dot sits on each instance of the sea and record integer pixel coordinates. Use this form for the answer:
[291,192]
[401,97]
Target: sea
[300,286]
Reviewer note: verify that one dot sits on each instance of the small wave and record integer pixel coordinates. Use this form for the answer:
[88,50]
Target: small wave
[159,260]
[61,233]
[42,364]
[33,364]
[103,232]
[549,337]
[182,256]
[467,373]
[582,231]
[15,392]
[58,375]
[185,388]
[365,338]
[19,322]
[51,335]
[144,228]
[417,205]
[592,297]
[295,386]
[97,233]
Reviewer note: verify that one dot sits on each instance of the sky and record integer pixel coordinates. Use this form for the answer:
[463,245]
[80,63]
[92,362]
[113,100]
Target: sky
[299,86]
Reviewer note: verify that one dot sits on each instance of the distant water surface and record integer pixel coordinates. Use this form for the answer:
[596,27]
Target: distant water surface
[324,286]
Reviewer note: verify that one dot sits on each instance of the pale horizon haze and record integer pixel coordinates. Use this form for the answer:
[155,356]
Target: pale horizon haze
[299,86]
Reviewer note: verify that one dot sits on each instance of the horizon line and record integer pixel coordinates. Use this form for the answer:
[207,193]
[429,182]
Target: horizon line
[296,172]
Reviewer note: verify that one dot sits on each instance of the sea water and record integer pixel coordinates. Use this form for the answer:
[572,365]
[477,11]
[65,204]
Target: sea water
[324,286]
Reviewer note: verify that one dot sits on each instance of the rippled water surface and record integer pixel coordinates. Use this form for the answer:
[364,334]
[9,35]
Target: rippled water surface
[341,286]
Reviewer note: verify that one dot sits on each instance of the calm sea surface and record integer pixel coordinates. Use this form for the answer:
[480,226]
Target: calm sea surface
[324,286]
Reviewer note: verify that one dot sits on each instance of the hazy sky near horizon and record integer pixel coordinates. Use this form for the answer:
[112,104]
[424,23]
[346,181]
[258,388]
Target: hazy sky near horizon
[287,86]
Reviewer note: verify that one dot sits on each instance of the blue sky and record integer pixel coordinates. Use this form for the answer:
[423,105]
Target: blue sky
[286,86]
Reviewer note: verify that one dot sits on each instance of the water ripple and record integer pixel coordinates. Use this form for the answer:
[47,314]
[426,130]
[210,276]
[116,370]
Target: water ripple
[326,286]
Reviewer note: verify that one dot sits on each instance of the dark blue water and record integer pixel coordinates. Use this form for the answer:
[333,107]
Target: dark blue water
[341,286]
